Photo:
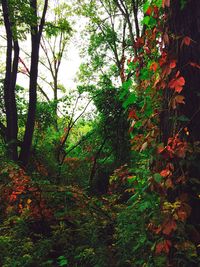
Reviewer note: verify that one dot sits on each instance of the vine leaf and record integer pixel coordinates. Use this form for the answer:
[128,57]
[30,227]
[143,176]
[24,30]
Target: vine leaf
[178,99]
[169,227]
[177,83]
[186,41]
[163,246]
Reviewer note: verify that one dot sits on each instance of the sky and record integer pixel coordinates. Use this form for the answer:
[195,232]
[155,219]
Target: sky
[68,69]
[69,65]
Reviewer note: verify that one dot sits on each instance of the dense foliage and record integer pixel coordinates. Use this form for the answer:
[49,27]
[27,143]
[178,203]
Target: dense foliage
[107,174]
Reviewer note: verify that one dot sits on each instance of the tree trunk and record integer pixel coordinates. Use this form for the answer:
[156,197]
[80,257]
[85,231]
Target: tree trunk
[9,85]
[56,98]
[185,22]
[36,33]
[28,136]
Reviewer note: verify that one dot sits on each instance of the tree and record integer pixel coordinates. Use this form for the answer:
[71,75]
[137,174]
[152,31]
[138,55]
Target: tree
[53,44]
[13,13]
[36,34]
[185,48]
[109,45]
[10,82]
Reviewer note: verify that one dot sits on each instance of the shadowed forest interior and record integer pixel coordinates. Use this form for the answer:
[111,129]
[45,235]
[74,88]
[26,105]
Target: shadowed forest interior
[100,133]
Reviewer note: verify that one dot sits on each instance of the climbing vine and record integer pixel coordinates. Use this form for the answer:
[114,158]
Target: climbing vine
[157,95]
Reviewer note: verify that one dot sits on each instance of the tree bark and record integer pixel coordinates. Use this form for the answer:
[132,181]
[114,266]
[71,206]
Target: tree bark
[185,22]
[36,33]
[9,85]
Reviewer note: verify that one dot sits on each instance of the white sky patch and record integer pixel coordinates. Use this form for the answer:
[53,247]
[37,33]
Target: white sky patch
[68,69]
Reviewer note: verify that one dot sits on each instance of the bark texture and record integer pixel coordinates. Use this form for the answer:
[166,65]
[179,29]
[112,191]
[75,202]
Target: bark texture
[185,21]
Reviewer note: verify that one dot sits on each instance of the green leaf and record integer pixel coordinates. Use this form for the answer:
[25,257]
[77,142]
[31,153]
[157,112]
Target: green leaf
[146,6]
[62,261]
[69,194]
[130,100]
[158,3]
[183,118]
[152,22]
[144,74]
[183,4]
[145,21]
[133,198]
[144,206]
[126,85]
[157,177]
[138,124]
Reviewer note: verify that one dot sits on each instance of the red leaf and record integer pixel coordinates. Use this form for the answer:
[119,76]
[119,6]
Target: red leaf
[180,81]
[149,11]
[13,197]
[163,246]
[172,64]
[139,42]
[177,84]
[132,115]
[155,9]
[177,74]
[169,227]
[186,41]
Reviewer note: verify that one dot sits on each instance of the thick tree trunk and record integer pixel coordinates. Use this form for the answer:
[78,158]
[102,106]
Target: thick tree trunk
[185,22]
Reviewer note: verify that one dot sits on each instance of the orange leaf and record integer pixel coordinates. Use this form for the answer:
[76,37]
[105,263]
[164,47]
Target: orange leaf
[154,66]
[165,173]
[169,184]
[178,99]
[160,148]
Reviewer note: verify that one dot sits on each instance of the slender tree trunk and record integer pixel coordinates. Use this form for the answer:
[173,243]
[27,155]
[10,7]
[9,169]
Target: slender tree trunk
[36,33]
[28,136]
[9,85]
[56,98]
